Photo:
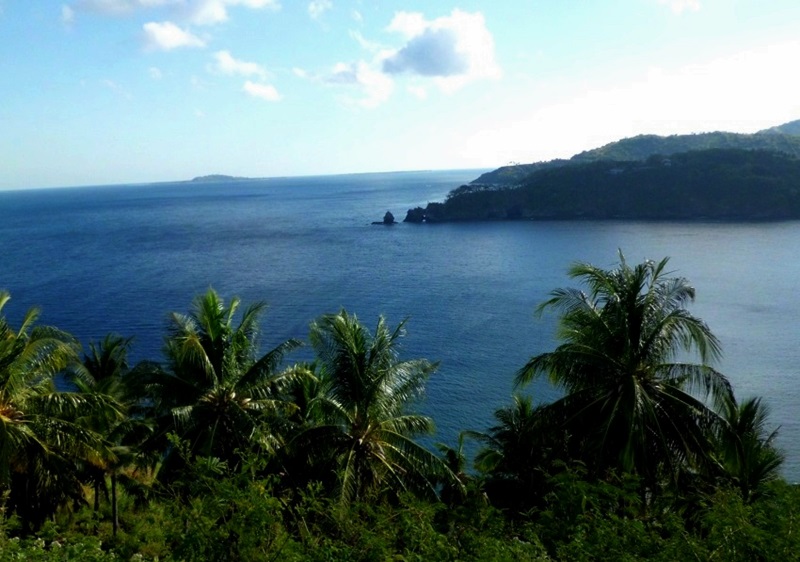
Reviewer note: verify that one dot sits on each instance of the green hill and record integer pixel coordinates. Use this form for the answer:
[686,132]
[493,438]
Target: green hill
[783,138]
[713,184]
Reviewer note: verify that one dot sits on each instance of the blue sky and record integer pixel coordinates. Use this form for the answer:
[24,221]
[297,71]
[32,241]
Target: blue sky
[126,91]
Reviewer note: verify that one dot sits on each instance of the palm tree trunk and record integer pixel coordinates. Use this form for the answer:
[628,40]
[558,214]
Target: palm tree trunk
[114,509]
[96,495]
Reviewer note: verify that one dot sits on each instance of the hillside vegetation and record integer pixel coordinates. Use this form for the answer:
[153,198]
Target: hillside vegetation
[710,176]
[783,138]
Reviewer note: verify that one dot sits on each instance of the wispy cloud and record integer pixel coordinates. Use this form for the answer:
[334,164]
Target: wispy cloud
[211,12]
[680,6]
[225,63]
[365,44]
[375,86]
[197,12]
[454,50]
[316,8]
[155,73]
[263,91]
[67,15]
[120,7]
[117,89]
[166,36]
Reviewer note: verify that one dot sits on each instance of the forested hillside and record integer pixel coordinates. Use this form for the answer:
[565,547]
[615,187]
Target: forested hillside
[716,184]
[783,138]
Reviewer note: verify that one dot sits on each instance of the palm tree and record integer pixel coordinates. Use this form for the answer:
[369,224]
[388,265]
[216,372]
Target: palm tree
[627,399]
[453,490]
[39,436]
[518,453]
[747,452]
[217,392]
[365,433]
[104,372]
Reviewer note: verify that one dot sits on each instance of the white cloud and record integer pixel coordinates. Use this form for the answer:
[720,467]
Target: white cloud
[262,91]
[453,50]
[155,73]
[226,64]
[67,15]
[318,7]
[364,43]
[166,36]
[375,86]
[433,53]
[210,12]
[700,97]
[299,72]
[409,24]
[680,6]
[356,15]
[418,92]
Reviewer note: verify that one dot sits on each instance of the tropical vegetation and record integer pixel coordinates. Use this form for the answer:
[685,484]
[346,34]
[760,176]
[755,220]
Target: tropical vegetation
[713,184]
[221,451]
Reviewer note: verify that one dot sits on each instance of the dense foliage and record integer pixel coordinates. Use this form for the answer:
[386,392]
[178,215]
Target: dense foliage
[223,452]
[718,184]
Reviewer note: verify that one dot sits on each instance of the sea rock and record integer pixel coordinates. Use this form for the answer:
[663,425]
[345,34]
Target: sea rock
[388,219]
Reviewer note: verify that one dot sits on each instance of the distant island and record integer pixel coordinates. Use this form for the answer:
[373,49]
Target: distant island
[216,178]
[708,176]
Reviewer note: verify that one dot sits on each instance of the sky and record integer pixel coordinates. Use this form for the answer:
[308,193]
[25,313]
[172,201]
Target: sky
[97,92]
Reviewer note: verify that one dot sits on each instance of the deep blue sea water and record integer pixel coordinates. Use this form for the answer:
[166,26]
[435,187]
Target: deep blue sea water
[119,258]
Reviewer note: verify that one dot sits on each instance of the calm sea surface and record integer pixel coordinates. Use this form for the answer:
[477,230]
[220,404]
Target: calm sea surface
[118,259]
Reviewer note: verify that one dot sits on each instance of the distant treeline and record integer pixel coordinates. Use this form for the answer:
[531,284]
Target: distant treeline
[783,138]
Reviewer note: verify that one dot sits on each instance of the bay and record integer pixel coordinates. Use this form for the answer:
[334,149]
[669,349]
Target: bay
[120,258]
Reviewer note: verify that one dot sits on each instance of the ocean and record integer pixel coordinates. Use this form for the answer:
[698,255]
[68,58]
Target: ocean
[120,258]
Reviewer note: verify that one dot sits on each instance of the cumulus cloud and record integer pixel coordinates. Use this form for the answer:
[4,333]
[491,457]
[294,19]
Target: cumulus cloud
[262,91]
[680,6]
[227,64]
[418,92]
[318,7]
[166,36]
[433,53]
[375,86]
[409,24]
[454,50]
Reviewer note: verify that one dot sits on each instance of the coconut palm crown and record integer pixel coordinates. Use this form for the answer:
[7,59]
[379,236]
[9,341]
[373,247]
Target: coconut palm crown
[633,404]
[365,430]
[217,390]
[40,433]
